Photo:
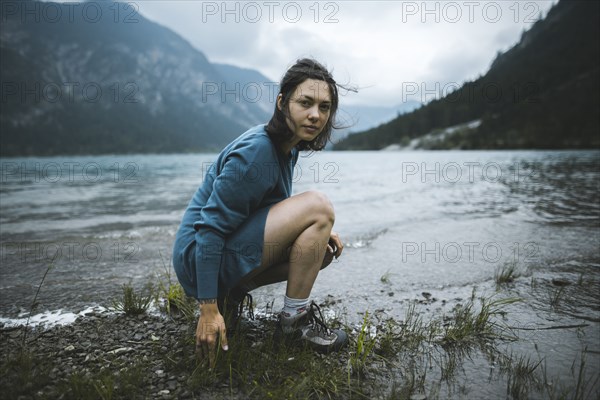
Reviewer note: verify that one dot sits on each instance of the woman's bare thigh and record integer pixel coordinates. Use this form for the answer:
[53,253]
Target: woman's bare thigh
[287,220]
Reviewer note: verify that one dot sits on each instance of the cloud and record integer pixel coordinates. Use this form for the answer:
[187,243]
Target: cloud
[376,45]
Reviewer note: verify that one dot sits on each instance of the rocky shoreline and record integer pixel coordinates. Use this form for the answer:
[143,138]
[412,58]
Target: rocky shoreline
[95,344]
[113,355]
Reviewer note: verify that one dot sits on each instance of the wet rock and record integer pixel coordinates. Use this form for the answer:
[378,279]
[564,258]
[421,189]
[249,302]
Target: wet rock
[121,350]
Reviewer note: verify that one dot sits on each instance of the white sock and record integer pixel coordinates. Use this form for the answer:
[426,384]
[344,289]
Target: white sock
[293,307]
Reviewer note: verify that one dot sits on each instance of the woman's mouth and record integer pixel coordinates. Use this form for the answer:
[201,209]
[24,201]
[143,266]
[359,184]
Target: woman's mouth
[310,128]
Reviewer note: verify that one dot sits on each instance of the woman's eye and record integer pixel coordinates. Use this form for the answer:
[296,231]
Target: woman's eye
[325,108]
[305,103]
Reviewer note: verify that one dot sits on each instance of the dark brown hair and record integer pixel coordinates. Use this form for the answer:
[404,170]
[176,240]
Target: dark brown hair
[303,69]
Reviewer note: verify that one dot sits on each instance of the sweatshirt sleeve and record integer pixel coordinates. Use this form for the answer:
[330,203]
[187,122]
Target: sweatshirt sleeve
[243,179]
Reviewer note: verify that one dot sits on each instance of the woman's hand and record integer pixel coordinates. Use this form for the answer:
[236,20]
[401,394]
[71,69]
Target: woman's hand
[210,332]
[334,249]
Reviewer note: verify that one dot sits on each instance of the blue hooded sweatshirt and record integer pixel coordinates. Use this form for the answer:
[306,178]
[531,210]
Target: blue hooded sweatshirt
[221,236]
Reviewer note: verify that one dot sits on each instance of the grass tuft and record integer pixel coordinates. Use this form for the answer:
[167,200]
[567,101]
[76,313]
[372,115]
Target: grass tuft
[522,377]
[365,343]
[506,274]
[275,372]
[34,305]
[470,323]
[133,303]
[172,299]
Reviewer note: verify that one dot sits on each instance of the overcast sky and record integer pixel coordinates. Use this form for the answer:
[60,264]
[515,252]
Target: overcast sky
[389,49]
[392,51]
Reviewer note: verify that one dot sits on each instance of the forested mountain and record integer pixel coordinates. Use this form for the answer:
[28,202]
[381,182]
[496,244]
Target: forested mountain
[356,118]
[543,93]
[104,79]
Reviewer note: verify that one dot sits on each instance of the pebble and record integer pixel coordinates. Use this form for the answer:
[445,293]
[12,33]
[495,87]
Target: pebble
[120,350]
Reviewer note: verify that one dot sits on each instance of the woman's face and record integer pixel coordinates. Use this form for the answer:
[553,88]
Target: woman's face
[309,107]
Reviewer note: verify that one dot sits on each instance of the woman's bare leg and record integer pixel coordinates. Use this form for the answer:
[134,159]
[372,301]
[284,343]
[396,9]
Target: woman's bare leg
[296,234]
[279,273]
[274,274]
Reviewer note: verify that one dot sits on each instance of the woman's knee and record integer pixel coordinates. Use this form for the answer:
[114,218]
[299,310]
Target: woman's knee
[321,207]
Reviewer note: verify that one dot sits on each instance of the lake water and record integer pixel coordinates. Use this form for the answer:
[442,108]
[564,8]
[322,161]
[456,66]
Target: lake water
[413,222]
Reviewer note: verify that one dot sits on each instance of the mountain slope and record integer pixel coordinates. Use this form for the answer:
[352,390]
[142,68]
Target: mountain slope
[542,93]
[76,85]
[254,88]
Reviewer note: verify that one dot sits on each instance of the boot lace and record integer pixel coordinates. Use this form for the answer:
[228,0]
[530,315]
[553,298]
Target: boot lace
[316,316]
[249,303]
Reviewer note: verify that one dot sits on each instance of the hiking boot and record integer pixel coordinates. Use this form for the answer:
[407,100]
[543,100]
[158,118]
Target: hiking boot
[308,327]
[232,310]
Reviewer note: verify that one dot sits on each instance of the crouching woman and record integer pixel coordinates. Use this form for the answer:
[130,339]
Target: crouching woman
[243,229]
